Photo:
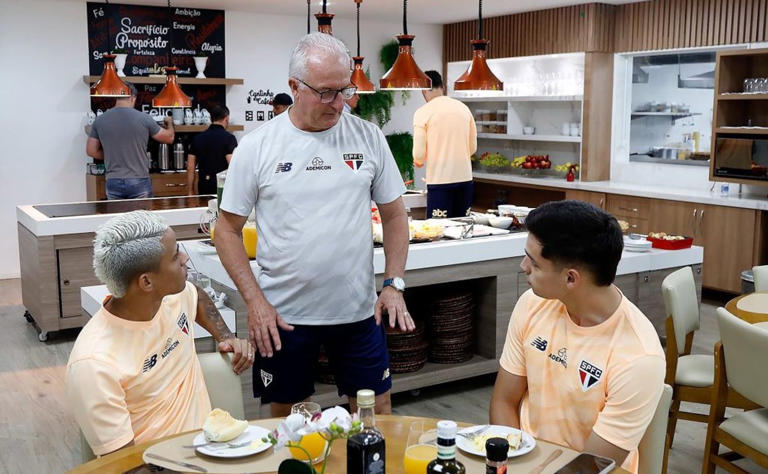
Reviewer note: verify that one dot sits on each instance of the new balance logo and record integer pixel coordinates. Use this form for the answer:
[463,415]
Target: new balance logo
[283,167]
[539,343]
[149,363]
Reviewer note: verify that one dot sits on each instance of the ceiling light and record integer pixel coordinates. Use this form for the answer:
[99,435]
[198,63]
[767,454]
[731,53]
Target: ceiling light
[171,96]
[364,85]
[109,84]
[324,20]
[405,73]
[479,77]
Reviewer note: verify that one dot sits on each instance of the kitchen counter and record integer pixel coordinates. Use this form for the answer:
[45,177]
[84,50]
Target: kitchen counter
[81,217]
[745,201]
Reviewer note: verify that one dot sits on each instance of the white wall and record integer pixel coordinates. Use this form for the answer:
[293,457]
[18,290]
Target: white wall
[43,100]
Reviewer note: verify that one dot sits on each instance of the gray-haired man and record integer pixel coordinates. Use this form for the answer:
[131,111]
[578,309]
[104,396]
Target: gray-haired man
[133,374]
[311,174]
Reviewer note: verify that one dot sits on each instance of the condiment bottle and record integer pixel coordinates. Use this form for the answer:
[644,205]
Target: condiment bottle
[496,450]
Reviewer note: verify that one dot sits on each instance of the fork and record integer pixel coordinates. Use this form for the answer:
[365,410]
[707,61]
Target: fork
[474,434]
[216,446]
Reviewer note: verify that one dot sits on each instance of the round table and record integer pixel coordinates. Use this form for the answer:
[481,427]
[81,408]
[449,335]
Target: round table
[752,307]
[394,427]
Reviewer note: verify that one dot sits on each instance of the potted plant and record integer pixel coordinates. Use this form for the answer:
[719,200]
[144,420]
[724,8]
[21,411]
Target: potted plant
[401,145]
[121,54]
[201,59]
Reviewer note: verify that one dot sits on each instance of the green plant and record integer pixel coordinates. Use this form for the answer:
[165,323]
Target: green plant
[401,145]
[376,106]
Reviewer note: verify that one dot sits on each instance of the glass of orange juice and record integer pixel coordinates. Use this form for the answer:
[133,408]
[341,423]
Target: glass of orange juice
[250,238]
[313,443]
[420,448]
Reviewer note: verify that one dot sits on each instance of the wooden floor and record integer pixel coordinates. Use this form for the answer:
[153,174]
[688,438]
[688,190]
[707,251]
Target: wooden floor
[38,435]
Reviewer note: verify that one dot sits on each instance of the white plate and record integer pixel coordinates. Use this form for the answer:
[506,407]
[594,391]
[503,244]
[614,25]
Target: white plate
[526,446]
[252,433]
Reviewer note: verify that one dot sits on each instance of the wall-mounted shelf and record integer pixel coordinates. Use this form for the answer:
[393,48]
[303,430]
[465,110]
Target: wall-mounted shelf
[187,128]
[674,115]
[208,81]
[650,159]
[537,98]
[743,130]
[741,96]
[530,138]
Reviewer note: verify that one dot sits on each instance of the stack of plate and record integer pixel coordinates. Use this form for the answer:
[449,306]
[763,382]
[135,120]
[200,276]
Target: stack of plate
[407,350]
[636,245]
[451,329]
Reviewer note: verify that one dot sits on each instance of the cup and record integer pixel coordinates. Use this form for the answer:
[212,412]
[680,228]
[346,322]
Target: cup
[565,129]
[420,447]
[314,444]
[575,129]
[178,116]
[529,130]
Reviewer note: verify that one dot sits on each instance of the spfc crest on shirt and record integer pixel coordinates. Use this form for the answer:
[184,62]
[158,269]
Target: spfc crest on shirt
[353,160]
[589,375]
[183,323]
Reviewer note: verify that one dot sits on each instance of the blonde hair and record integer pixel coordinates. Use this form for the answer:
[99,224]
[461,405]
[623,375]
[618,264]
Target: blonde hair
[126,246]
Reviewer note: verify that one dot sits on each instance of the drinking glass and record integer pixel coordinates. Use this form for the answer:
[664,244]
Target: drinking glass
[314,443]
[420,448]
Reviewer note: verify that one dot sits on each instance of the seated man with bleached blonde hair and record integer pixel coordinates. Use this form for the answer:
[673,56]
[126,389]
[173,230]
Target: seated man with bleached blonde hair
[133,374]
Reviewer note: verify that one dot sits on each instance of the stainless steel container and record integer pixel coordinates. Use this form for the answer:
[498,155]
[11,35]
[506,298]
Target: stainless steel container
[178,156]
[164,156]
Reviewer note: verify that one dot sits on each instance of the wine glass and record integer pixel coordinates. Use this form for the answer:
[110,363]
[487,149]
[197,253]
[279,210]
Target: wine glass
[420,448]
[313,443]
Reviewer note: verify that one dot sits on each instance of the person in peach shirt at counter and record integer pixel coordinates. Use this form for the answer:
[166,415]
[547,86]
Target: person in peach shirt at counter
[133,374]
[444,138]
[581,366]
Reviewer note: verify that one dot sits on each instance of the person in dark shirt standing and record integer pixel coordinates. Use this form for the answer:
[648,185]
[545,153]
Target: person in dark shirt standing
[211,151]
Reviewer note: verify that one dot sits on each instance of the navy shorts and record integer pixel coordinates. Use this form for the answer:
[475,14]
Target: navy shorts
[449,200]
[357,355]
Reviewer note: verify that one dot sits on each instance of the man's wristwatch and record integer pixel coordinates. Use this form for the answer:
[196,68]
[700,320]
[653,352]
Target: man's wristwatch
[396,283]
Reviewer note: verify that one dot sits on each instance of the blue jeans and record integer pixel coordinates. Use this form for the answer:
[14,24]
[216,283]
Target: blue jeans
[129,188]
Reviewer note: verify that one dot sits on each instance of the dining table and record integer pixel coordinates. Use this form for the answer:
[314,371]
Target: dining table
[751,307]
[395,428]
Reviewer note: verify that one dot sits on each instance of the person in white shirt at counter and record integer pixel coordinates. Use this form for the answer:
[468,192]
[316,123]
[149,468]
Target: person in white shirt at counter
[311,175]
[133,374]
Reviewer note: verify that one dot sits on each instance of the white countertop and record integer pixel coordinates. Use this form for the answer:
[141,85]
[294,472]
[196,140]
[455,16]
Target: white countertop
[455,252]
[746,201]
[41,225]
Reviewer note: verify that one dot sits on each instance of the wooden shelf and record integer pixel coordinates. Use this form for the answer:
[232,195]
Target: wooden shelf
[536,98]
[530,138]
[208,81]
[430,374]
[743,131]
[202,128]
[663,114]
[742,96]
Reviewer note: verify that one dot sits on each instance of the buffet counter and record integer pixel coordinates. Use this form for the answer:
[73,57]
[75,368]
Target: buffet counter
[489,267]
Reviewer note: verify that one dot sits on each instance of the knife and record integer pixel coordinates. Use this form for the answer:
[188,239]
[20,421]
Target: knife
[194,467]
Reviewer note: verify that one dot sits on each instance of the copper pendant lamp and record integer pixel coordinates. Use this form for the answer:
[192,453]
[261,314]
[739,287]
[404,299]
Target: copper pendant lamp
[405,73]
[171,97]
[364,85]
[324,20]
[479,77]
[109,84]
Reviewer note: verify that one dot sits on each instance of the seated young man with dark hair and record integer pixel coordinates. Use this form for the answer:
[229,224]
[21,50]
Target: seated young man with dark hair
[581,366]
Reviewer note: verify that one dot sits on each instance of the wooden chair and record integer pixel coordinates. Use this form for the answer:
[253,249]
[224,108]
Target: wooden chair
[690,375]
[652,448]
[741,359]
[761,277]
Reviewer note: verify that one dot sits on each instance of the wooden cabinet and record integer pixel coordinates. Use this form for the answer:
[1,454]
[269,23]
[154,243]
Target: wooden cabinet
[163,185]
[675,217]
[634,210]
[598,199]
[75,271]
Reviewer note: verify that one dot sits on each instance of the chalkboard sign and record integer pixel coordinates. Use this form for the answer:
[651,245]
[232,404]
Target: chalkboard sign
[155,37]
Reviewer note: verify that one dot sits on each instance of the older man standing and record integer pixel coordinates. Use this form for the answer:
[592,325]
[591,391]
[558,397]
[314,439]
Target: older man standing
[311,175]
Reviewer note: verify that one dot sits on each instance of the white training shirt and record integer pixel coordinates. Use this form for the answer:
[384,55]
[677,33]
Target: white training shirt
[312,193]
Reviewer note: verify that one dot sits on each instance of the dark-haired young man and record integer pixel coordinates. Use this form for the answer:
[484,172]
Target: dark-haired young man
[211,151]
[581,366]
[444,138]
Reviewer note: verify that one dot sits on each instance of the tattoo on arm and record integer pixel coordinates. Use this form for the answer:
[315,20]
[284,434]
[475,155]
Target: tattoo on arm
[208,316]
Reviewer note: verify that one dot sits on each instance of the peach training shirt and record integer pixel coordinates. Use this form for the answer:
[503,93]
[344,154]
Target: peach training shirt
[138,380]
[607,378]
[445,136]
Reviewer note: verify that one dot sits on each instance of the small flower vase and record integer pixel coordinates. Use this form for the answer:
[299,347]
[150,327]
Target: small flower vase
[120,63]
[200,62]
